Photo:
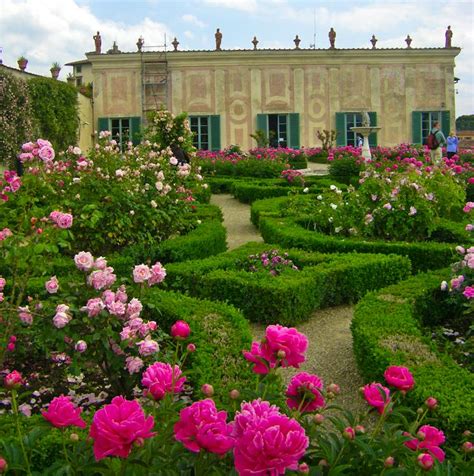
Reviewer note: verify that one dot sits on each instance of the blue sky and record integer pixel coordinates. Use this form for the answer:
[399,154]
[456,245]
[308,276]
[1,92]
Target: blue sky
[61,30]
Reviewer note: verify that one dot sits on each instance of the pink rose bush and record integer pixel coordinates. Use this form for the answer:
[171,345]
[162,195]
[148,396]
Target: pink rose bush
[154,275]
[62,413]
[118,426]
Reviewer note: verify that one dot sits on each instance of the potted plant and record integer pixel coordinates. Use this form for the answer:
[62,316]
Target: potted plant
[22,62]
[55,69]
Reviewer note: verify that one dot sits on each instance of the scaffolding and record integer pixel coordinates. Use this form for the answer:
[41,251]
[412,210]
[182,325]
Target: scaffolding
[154,67]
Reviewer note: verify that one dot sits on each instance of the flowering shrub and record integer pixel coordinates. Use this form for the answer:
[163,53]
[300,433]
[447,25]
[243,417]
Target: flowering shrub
[293,176]
[270,261]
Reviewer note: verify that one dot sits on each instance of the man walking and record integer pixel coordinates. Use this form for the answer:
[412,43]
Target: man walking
[439,142]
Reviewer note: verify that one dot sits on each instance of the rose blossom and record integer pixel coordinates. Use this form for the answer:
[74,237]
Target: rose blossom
[202,427]
[100,263]
[304,392]
[148,346]
[160,379]
[84,261]
[81,346]
[468,292]
[399,377]
[180,330]
[117,426]
[93,307]
[377,396]
[64,220]
[62,413]
[3,282]
[141,273]
[266,441]
[134,307]
[52,285]
[25,315]
[46,153]
[158,274]
[133,364]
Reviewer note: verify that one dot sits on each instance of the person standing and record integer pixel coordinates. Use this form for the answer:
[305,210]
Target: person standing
[437,153]
[452,142]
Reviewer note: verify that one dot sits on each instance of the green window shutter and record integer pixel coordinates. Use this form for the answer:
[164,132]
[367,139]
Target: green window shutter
[373,136]
[262,123]
[445,122]
[340,129]
[103,124]
[135,132]
[215,123]
[294,132]
[416,128]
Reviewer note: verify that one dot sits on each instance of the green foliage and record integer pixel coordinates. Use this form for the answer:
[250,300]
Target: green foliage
[465,123]
[387,330]
[248,167]
[260,138]
[324,280]
[327,138]
[16,118]
[345,169]
[55,109]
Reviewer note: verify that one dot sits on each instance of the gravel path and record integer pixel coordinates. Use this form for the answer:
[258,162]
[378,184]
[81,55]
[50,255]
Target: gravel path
[330,352]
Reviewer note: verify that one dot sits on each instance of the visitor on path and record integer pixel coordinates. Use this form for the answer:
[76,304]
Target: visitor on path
[360,141]
[180,154]
[436,153]
[452,144]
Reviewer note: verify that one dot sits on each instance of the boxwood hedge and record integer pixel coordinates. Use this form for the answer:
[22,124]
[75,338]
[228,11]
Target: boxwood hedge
[388,330]
[324,280]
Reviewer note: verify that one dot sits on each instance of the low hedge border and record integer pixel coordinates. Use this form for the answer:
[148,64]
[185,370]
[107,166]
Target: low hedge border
[387,330]
[324,280]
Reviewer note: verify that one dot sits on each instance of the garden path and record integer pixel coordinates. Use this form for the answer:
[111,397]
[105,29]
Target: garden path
[330,353]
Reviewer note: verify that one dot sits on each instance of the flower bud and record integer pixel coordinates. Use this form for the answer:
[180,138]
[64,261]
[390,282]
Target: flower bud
[180,330]
[281,354]
[234,394]
[318,418]
[334,388]
[11,347]
[421,436]
[467,447]
[39,231]
[3,465]
[191,348]
[323,462]
[348,433]
[74,437]
[431,403]
[13,380]
[467,433]
[139,442]
[207,390]
[360,430]
[425,461]
[303,468]
[420,411]
[389,462]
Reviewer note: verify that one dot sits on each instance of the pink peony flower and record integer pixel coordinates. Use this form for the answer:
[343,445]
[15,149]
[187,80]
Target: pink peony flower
[469,227]
[160,379]
[61,319]
[431,403]
[141,273]
[191,348]
[180,330]
[425,461]
[349,433]
[62,413]
[13,380]
[304,392]
[377,396]
[52,285]
[387,206]
[158,274]
[84,261]
[117,426]
[429,439]
[133,364]
[202,427]
[266,441]
[468,292]
[399,377]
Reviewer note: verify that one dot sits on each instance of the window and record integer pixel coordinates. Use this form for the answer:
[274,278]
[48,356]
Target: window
[422,123]
[282,130]
[79,81]
[123,129]
[78,69]
[206,132]
[345,121]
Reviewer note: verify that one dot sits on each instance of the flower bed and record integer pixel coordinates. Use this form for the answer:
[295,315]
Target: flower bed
[324,280]
[387,327]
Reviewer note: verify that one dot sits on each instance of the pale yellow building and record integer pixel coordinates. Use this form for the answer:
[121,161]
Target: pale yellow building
[289,94]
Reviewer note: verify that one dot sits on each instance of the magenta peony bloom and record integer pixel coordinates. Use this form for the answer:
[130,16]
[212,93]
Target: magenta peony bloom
[430,438]
[304,390]
[468,292]
[117,426]
[281,346]
[377,396]
[62,413]
[160,379]
[202,427]
[13,380]
[267,442]
[425,461]
[180,330]
[52,285]
[399,377]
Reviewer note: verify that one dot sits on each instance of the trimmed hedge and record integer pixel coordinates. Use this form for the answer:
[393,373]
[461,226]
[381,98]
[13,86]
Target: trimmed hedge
[387,330]
[324,280]
[287,233]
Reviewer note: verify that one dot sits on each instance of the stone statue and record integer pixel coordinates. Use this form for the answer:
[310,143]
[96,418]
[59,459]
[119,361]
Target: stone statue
[373,40]
[408,41]
[448,35]
[98,43]
[114,50]
[255,42]
[218,36]
[332,37]
[140,43]
[297,42]
[365,119]
[175,44]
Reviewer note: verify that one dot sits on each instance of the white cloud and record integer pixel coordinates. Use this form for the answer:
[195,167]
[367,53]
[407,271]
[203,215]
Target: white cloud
[243,5]
[189,34]
[193,20]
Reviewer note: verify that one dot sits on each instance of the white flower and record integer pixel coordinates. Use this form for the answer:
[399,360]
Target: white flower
[332,187]
[132,212]
[330,219]
[153,204]
[76,180]
[76,151]
[306,190]
[333,206]
[319,197]
[338,229]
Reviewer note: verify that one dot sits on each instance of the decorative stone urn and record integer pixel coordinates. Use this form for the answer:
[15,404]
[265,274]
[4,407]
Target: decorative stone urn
[22,62]
[55,72]
[365,132]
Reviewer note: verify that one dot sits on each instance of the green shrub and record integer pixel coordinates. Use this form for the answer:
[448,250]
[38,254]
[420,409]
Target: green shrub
[387,330]
[324,280]
[345,169]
